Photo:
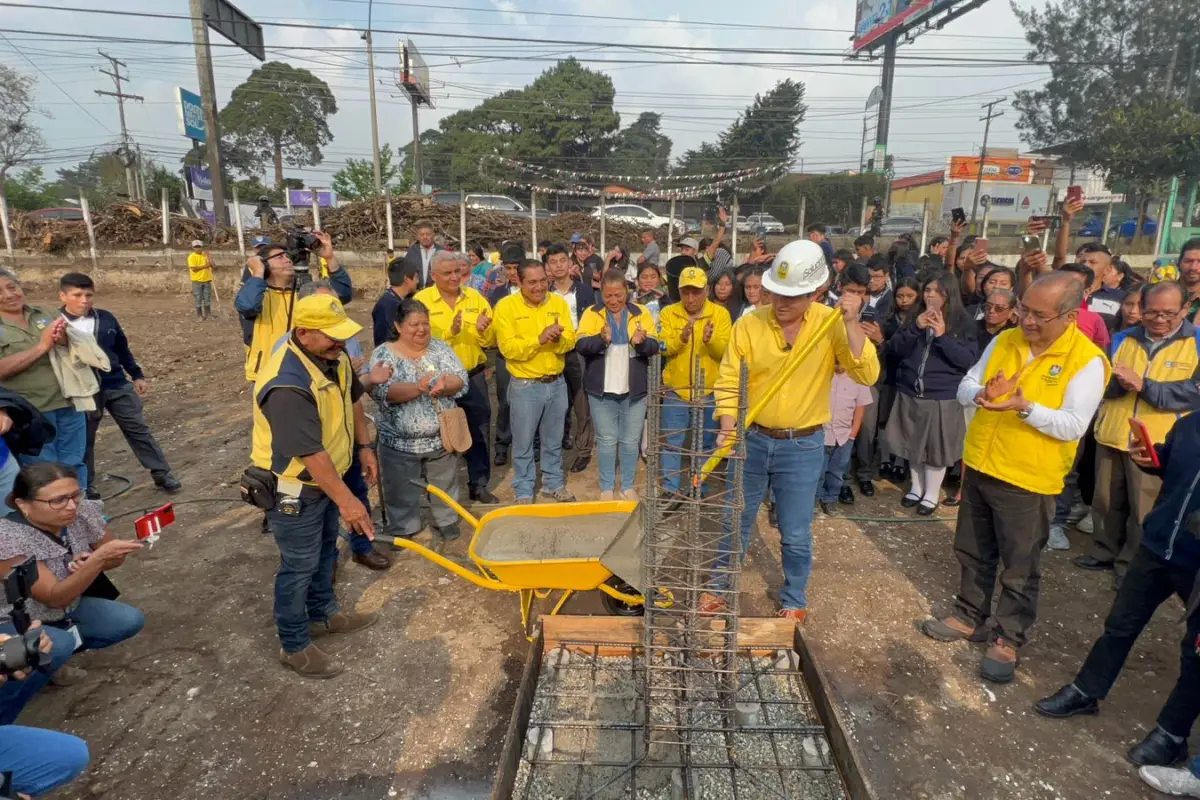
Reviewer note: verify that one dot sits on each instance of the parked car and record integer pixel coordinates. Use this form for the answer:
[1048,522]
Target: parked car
[67,213]
[764,222]
[891,226]
[1094,227]
[637,215]
[491,202]
[691,225]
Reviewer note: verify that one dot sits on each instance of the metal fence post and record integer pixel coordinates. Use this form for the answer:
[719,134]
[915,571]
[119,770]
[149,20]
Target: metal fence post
[166,217]
[803,214]
[532,220]
[8,242]
[924,226]
[237,218]
[733,238]
[603,249]
[91,229]
[391,240]
[462,217]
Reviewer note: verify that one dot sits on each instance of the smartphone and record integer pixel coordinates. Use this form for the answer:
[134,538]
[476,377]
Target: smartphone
[958,215]
[981,245]
[148,526]
[1049,219]
[1074,193]
[1030,243]
[867,314]
[1142,434]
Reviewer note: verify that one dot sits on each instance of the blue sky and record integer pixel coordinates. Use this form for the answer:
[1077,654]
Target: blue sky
[698,96]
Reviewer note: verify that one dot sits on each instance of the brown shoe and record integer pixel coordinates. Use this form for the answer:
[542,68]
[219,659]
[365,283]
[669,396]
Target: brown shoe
[342,622]
[797,615]
[953,629]
[311,662]
[1000,663]
[373,560]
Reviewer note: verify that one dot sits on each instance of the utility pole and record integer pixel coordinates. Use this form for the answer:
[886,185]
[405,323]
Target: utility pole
[886,83]
[418,182]
[208,98]
[374,113]
[126,152]
[987,127]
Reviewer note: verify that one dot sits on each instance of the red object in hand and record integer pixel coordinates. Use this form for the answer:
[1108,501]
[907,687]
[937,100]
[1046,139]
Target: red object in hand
[1142,434]
[148,526]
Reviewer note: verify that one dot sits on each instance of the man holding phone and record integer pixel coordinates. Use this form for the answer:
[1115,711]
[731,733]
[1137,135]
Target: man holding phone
[1155,366]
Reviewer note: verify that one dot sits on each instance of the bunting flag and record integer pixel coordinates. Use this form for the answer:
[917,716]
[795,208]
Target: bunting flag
[565,175]
[679,193]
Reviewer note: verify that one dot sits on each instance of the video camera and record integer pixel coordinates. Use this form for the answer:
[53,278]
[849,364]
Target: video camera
[21,652]
[300,244]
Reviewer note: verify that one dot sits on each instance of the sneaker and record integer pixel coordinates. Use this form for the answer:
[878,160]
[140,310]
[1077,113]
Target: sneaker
[69,676]
[342,622]
[629,494]
[606,495]
[558,495]
[524,501]
[1058,538]
[311,662]
[1168,780]
[1086,525]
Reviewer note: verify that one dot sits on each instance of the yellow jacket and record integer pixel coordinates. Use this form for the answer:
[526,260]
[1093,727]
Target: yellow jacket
[269,325]
[289,367]
[804,400]
[679,374]
[1169,389]
[519,325]
[469,344]
[1001,444]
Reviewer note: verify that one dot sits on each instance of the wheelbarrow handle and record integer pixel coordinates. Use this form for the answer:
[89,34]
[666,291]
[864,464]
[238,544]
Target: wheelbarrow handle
[467,516]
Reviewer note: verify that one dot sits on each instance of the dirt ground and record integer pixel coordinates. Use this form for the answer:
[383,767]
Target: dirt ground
[197,706]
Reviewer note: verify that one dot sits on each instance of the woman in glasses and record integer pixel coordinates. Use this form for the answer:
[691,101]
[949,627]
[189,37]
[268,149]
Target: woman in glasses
[67,536]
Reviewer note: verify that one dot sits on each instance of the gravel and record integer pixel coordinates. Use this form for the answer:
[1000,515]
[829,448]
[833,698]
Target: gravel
[536,539]
[604,690]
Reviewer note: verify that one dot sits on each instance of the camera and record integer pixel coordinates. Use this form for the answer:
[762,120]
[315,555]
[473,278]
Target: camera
[300,244]
[21,651]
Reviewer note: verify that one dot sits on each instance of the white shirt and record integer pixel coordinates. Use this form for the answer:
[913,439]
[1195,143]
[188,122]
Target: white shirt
[1066,423]
[616,368]
[86,324]
[570,298]
[426,258]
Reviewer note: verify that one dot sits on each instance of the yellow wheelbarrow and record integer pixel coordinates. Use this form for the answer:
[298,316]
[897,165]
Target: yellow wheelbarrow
[537,550]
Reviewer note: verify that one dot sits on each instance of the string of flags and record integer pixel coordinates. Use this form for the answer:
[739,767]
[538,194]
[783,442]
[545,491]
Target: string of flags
[680,193]
[656,180]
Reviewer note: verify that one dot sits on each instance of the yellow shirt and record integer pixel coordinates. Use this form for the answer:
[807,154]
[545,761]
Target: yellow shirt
[518,326]
[198,268]
[679,375]
[803,401]
[469,344]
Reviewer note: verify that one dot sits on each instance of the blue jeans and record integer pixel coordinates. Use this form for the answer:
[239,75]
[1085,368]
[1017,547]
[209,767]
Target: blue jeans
[103,623]
[676,419]
[837,459]
[618,423]
[8,476]
[70,442]
[304,582]
[41,761]
[793,469]
[357,484]
[537,408]
[14,695]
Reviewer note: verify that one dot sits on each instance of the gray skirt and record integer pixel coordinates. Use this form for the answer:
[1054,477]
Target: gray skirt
[929,432]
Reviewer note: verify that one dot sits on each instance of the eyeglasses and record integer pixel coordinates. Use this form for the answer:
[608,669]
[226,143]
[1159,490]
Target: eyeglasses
[61,502]
[1038,318]
[996,307]
[1161,314]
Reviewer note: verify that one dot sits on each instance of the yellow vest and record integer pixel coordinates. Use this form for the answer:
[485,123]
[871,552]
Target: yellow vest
[1002,445]
[679,373]
[1175,361]
[269,325]
[290,367]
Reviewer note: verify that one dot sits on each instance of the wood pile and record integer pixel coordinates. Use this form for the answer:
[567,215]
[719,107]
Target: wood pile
[125,225]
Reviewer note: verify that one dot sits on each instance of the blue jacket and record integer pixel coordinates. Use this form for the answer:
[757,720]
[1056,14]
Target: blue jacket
[112,341]
[1170,529]
[931,367]
[249,300]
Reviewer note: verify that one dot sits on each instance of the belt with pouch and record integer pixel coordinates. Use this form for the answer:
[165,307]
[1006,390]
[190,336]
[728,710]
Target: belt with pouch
[785,433]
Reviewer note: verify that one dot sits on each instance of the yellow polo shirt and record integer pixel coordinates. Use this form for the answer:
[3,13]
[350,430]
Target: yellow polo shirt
[198,268]
[804,400]
[469,344]
[518,326]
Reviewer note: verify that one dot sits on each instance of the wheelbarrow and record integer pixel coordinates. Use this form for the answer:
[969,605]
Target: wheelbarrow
[514,549]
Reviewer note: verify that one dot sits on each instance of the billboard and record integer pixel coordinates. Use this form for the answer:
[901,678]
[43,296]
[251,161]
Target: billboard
[201,181]
[414,74]
[875,18]
[995,170]
[226,19]
[303,198]
[191,114]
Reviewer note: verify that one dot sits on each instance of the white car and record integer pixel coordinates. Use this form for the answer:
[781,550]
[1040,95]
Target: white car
[765,222]
[642,217]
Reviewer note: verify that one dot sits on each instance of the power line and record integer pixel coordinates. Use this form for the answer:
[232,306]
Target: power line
[55,83]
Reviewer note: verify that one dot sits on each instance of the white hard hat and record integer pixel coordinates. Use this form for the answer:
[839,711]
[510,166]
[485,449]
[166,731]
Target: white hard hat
[799,268]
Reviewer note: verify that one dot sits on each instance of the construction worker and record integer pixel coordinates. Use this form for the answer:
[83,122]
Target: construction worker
[200,269]
[785,445]
[534,333]
[308,416]
[462,317]
[693,327]
[268,297]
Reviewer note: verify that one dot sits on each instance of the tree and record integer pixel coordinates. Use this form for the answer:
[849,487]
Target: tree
[28,191]
[20,139]
[768,132]
[280,113]
[642,148]
[833,199]
[1113,64]
[159,178]
[102,176]
[356,180]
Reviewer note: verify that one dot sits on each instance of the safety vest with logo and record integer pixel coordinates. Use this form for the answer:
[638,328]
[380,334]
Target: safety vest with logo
[1006,447]
[289,367]
[269,325]
[1174,361]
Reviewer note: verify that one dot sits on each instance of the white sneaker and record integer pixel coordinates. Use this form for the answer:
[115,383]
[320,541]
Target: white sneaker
[1058,538]
[1169,780]
[606,495]
[1085,525]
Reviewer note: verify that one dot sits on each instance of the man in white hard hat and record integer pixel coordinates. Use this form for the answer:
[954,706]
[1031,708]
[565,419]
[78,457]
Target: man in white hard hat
[785,445]
[200,270]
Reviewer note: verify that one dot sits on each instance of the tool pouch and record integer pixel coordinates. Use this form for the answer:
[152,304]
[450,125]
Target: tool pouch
[258,488]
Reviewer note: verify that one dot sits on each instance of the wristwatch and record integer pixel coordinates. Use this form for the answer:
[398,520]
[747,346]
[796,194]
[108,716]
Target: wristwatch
[1025,412]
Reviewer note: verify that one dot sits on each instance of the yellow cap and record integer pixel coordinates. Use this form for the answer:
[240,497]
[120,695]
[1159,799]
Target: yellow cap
[693,277]
[320,312]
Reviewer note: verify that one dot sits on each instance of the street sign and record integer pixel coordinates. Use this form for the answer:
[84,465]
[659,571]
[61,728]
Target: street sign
[225,18]
[191,115]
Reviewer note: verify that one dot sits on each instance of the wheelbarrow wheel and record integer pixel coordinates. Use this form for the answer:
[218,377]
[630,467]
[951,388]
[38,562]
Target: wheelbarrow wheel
[617,607]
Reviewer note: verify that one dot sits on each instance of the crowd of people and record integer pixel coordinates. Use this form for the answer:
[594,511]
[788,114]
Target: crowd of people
[1051,396]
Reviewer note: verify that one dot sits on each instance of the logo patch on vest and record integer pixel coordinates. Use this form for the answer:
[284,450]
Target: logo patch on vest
[1055,371]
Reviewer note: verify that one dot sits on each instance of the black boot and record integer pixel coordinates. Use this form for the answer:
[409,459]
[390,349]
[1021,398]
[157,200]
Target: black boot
[1158,749]
[1067,702]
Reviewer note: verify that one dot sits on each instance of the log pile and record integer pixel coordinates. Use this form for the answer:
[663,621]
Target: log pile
[125,225]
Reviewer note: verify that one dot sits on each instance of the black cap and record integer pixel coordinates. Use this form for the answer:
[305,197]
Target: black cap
[512,254]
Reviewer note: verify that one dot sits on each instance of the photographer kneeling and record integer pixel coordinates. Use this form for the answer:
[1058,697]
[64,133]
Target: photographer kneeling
[67,536]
